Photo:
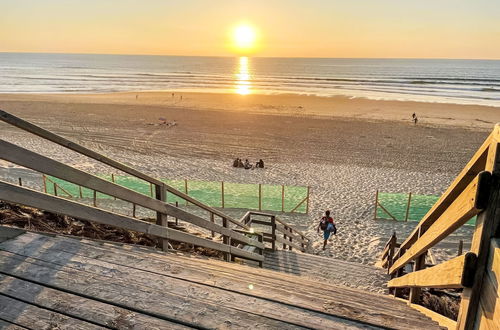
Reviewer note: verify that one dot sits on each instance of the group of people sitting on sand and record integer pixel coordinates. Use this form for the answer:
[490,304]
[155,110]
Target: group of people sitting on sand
[247,165]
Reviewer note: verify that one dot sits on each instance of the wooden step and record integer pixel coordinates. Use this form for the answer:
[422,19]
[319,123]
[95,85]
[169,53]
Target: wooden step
[171,290]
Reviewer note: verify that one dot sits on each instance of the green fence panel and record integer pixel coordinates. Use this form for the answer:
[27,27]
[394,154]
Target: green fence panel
[179,185]
[236,195]
[293,196]
[396,204]
[241,195]
[271,197]
[209,193]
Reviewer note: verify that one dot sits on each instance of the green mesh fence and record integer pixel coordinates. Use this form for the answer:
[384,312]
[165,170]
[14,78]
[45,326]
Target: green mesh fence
[236,195]
[397,205]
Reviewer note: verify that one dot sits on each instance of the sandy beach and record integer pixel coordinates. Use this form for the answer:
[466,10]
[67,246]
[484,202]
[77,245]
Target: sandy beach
[344,149]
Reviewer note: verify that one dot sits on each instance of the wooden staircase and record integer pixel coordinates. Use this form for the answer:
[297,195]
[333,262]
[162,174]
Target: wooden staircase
[49,281]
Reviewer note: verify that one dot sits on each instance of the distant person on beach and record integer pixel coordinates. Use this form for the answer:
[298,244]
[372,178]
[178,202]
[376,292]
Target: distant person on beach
[247,165]
[259,164]
[236,162]
[327,225]
[414,115]
[240,163]
[173,95]
[415,120]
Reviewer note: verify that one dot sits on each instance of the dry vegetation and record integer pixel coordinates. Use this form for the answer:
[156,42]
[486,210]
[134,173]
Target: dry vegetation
[48,222]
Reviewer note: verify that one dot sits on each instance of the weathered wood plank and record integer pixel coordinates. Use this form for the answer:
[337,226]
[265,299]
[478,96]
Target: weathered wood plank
[458,213]
[266,285]
[486,224]
[4,325]
[442,320]
[199,305]
[490,302]
[29,159]
[25,196]
[75,306]
[26,315]
[445,275]
[217,274]
[287,242]
[7,233]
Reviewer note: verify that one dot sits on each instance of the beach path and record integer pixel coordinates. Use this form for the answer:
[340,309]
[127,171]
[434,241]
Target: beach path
[81,283]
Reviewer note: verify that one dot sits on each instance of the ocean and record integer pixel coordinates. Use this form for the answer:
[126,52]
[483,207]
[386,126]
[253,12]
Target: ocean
[429,80]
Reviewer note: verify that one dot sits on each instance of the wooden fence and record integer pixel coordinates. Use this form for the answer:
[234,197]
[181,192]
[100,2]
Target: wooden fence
[292,238]
[238,239]
[476,191]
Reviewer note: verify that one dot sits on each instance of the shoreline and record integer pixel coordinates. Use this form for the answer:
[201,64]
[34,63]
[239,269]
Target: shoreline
[297,105]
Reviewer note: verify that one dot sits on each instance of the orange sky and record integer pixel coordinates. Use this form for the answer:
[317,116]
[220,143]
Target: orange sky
[291,28]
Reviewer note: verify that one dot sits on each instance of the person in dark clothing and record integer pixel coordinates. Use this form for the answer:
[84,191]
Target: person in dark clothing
[327,225]
[236,162]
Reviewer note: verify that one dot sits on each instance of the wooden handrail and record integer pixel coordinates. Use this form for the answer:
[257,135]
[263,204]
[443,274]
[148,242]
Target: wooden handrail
[15,194]
[476,191]
[470,171]
[458,213]
[43,133]
[29,159]
[455,271]
[278,220]
[284,228]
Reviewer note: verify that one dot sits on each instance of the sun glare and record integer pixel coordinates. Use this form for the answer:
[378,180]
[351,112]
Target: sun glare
[244,38]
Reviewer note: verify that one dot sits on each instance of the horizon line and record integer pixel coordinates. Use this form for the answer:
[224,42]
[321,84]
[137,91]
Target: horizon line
[236,56]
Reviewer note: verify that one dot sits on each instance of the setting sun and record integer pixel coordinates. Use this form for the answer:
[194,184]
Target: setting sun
[244,37]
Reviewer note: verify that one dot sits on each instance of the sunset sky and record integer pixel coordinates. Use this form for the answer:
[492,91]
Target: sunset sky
[284,28]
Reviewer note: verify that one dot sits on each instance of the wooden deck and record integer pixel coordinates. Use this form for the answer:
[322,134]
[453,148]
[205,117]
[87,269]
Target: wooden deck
[321,268]
[49,281]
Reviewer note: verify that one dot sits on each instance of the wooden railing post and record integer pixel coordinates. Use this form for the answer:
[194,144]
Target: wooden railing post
[273,232]
[419,264]
[55,189]
[282,198]
[222,194]
[94,197]
[227,241]
[261,240]
[290,238]
[186,190]
[284,237]
[161,219]
[460,248]
[20,182]
[307,202]
[408,207]
[212,219]
[176,219]
[486,222]
[260,197]
[44,179]
[113,180]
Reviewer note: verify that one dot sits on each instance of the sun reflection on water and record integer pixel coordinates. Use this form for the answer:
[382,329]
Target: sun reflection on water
[243,84]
